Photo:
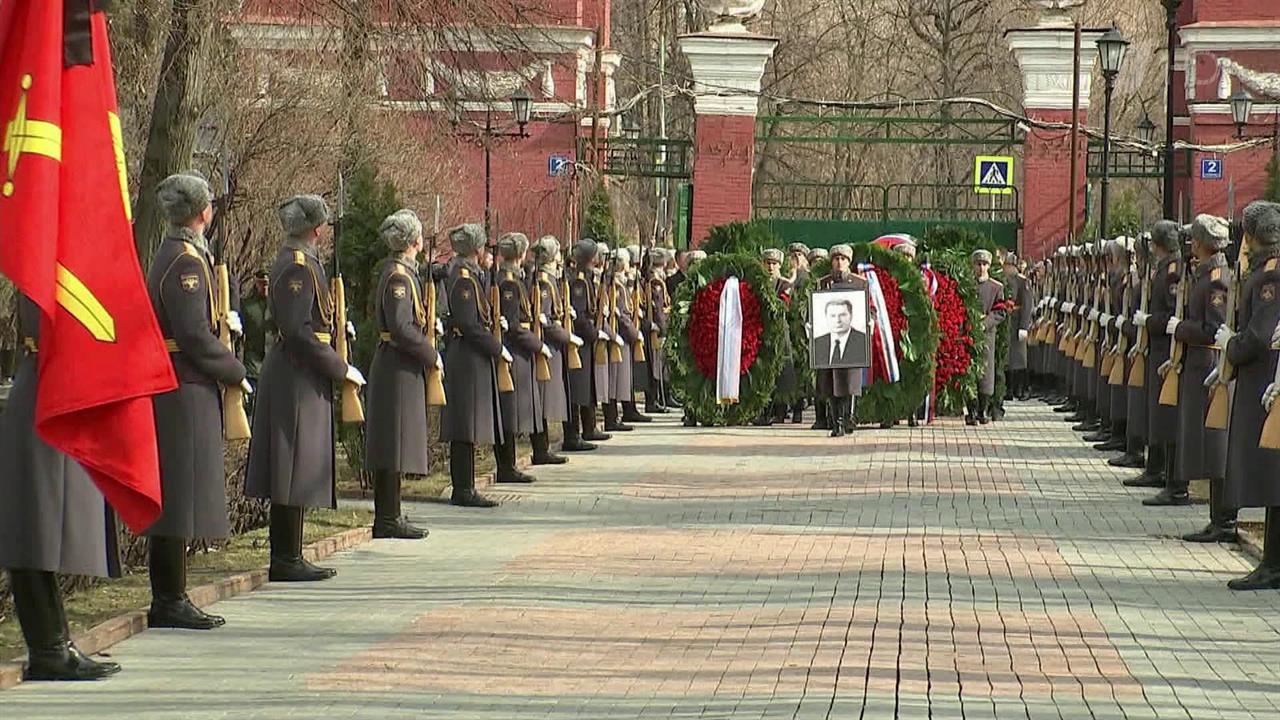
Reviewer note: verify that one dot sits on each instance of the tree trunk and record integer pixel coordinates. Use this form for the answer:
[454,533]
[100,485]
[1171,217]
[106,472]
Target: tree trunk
[178,104]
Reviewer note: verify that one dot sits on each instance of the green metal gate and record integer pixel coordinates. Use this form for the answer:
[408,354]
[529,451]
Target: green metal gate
[826,214]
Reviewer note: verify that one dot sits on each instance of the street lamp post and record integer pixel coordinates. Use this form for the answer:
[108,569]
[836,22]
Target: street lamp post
[1241,109]
[521,108]
[1171,25]
[1146,129]
[1111,50]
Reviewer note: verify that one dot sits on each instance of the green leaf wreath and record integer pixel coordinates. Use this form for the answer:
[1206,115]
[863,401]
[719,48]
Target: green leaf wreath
[954,263]
[883,402]
[696,390]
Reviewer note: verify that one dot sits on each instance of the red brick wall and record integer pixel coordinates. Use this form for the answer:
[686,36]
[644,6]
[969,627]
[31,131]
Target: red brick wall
[723,163]
[1245,168]
[1227,10]
[1046,184]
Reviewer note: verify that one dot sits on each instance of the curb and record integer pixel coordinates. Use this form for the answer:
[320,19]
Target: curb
[109,632]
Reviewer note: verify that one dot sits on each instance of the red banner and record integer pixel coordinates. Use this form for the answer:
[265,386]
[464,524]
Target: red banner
[66,242]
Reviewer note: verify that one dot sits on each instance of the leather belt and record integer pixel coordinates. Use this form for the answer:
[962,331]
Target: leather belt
[172,345]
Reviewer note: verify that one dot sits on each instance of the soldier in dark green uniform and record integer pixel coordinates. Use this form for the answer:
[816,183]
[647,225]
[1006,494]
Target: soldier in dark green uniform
[522,412]
[291,454]
[52,520]
[259,331]
[472,416]
[396,417]
[989,294]
[189,419]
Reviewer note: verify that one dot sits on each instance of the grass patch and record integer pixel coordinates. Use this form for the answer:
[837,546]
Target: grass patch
[249,551]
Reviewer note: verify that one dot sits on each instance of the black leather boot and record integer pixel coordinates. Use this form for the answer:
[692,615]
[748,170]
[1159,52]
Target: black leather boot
[1222,519]
[669,399]
[462,472]
[589,431]
[542,454]
[632,415]
[971,413]
[984,402]
[51,655]
[689,420]
[797,412]
[611,422]
[846,414]
[822,414]
[1267,575]
[1153,476]
[170,606]
[573,441]
[1134,456]
[505,457]
[1069,406]
[388,521]
[287,563]
[1175,487]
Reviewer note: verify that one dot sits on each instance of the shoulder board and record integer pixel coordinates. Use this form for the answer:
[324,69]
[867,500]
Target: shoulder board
[463,272]
[398,269]
[299,257]
[1271,264]
[582,276]
[542,276]
[189,249]
[511,275]
[1215,274]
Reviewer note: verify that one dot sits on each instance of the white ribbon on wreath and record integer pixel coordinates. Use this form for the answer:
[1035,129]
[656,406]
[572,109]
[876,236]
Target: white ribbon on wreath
[888,349]
[729,351]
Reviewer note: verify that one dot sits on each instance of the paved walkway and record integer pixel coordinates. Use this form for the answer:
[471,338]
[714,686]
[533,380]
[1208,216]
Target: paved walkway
[946,572]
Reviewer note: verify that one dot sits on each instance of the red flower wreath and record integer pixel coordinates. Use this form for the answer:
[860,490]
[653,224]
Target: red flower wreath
[955,348]
[704,327]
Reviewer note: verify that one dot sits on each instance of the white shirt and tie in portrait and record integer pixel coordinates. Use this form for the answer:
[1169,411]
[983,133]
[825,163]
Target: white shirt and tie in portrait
[839,327]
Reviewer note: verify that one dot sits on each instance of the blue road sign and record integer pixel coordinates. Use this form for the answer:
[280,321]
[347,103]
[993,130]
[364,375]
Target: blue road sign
[558,165]
[993,175]
[1210,168]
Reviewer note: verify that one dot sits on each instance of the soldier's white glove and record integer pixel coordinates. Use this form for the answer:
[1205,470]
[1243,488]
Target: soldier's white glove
[439,326]
[506,355]
[1105,320]
[1269,396]
[234,326]
[618,339]
[1080,311]
[439,362]
[1119,322]
[1022,335]
[542,318]
[1068,307]
[1223,336]
[573,314]
[1171,327]
[1093,315]
[354,376]
[575,340]
[505,325]
[1140,319]
[546,352]
[351,331]
[602,335]
[246,387]
[1164,368]
[1212,378]
[605,311]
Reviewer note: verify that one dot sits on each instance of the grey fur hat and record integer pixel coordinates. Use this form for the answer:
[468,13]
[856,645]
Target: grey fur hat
[301,214]
[1262,222]
[546,250]
[818,254]
[620,259]
[512,245]
[1166,234]
[981,256]
[585,252]
[658,257]
[796,247]
[771,255]
[400,229]
[183,196]
[844,251]
[697,255]
[1211,231]
[1010,259]
[634,252]
[467,238]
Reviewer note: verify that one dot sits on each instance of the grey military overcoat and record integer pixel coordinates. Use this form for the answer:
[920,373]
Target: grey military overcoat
[990,292]
[620,385]
[584,389]
[52,517]
[1020,318]
[1252,479]
[189,420]
[395,431]
[470,381]
[521,410]
[1202,452]
[1162,420]
[291,454]
[553,393]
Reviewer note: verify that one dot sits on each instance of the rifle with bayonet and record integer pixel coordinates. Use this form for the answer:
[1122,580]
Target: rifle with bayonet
[352,408]
[1120,355]
[235,422]
[505,382]
[435,378]
[1142,343]
[1219,396]
[1090,354]
[572,356]
[1173,371]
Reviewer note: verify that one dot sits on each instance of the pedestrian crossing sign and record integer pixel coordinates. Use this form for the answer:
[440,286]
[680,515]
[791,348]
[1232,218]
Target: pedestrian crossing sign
[993,175]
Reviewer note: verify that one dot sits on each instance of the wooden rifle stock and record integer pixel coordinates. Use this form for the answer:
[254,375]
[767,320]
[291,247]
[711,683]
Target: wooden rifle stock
[637,350]
[505,382]
[601,356]
[235,422]
[572,356]
[435,378]
[1138,373]
[1169,390]
[1219,412]
[541,368]
[1120,356]
[1270,438]
[352,408]
[615,352]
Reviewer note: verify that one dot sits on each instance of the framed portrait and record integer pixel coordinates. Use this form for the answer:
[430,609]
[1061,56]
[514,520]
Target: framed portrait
[840,335]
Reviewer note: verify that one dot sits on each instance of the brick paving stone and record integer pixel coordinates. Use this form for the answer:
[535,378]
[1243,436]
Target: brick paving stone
[940,572]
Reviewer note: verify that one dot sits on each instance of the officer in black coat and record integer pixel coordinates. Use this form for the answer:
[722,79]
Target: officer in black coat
[522,412]
[189,419]
[588,386]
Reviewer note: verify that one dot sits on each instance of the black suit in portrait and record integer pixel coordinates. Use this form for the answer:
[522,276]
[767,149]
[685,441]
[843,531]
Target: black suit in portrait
[853,353]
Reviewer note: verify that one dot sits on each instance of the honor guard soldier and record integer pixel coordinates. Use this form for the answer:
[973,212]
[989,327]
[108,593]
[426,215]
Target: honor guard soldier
[396,417]
[522,407]
[838,387]
[589,384]
[657,310]
[1202,451]
[1133,398]
[799,254]
[472,416]
[291,454]
[785,386]
[553,392]
[1019,328]
[626,336]
[259,330]
[990,292]
[1112,395]
[1251,468]
[53,520]
[189,424]
[1162,420]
